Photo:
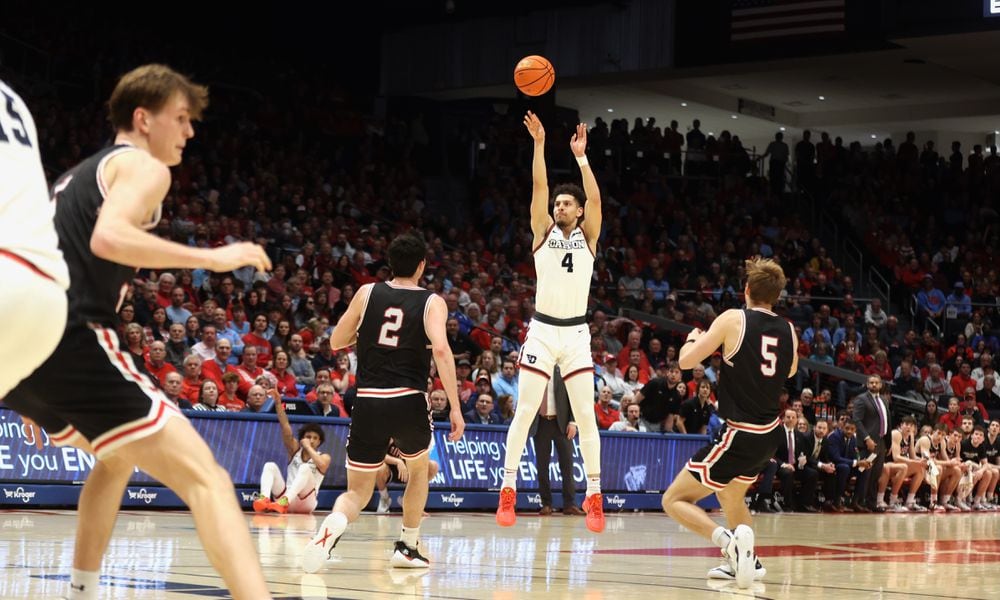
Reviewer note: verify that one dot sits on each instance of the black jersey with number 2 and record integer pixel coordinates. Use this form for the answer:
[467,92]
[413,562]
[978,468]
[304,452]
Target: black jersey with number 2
[393,348]
[754,373]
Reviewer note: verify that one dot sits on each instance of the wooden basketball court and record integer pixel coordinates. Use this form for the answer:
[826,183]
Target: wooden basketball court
[157,555]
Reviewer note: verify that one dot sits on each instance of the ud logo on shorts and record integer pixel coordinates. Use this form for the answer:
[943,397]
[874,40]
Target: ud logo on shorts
[531,358]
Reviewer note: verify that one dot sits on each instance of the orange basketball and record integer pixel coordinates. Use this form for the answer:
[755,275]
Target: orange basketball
[534,75]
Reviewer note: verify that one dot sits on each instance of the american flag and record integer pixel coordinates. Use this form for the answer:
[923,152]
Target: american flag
[756,20]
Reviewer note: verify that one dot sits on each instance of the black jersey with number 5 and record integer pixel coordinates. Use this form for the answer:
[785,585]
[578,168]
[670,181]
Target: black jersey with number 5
[754,372]
[393,348]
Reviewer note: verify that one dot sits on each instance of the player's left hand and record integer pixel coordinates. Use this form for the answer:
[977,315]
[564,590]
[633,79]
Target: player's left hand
[305,443]
[578,143]
[457,425]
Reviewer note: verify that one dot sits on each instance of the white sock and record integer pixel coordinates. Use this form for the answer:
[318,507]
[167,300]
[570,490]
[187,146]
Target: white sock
[580,389]
[383,493]
[593,485]
[335,521]
[409,536]
[945,499]
[721,537]
[83,585]
[509,479]
[910,499]
[893,499]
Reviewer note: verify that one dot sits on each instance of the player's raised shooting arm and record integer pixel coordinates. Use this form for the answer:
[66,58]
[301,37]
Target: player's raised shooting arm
[346,332]
[592,216]
[540,218]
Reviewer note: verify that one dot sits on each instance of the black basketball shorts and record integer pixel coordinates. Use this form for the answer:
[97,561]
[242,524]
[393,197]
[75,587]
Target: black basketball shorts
[380,415]
[91,388]
[740,453]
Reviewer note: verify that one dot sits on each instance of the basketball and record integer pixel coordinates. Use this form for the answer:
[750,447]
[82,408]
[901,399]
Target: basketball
[534,75]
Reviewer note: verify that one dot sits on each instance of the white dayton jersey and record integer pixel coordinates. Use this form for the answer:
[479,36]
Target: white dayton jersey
[26,212]
[294,469]
[564,267]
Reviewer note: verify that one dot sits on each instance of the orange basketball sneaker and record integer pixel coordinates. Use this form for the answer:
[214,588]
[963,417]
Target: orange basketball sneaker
[260,503]
[594,505]
[505,512]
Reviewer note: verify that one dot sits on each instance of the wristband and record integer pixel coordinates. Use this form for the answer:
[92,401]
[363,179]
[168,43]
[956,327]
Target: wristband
[582,161]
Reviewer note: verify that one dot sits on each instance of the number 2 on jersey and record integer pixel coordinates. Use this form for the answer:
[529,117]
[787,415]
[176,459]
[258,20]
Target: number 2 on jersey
[567,262]
[387,335]
[767,346]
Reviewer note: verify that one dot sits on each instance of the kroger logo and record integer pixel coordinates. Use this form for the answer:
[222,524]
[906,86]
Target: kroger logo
[615,500]
[142,495]
[535,499]
[19,494]
[452,499]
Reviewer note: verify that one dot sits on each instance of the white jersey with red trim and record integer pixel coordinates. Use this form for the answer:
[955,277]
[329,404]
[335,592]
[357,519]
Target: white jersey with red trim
[26,211]
[296,464]
[564,267]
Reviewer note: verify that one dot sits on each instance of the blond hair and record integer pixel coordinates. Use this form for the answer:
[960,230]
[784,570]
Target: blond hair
[765,280]
[150,87]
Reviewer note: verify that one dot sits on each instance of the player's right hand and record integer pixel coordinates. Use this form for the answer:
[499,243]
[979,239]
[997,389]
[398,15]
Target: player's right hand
[457,425]
[534,126]
[240,254]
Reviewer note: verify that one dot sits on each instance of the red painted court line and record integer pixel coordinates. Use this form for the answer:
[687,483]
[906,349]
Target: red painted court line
[769,551]
[931,558]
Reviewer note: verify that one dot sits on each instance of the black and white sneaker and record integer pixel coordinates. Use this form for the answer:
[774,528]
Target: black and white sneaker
[745,562]
[404,557]
[726,571]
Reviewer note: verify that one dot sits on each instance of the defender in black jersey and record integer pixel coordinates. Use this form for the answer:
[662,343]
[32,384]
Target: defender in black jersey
[397,327]
[759,354]
[90,393]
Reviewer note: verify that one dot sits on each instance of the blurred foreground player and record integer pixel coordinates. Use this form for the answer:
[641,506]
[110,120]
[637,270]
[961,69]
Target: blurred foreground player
[90,393]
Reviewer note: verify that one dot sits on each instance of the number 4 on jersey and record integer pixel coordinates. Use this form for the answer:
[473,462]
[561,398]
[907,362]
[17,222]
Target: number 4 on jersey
[567,262]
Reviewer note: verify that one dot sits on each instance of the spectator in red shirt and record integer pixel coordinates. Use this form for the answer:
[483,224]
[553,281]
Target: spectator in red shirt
[342,378]
[215,368]
[157,364]
[258,339]
[971,406]
[248,370]
[285,378]
[625,356]
[881,367]
[963,379]
[606,414]
[164,285]
[952,418]
[228,397]
[192,378]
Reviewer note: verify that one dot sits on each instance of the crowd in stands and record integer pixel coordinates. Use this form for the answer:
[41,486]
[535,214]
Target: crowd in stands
[682,211]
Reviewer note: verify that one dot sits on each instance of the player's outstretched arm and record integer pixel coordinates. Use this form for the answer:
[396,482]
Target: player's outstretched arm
[291,444]
[540,218]
[434,325]
[592,216]
[137,184]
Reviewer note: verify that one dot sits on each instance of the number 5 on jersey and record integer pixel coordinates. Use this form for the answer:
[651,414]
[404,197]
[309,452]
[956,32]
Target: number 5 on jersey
[767,345]
[387,335]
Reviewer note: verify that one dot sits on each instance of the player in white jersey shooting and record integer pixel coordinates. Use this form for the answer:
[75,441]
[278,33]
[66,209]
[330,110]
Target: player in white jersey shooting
[565,244]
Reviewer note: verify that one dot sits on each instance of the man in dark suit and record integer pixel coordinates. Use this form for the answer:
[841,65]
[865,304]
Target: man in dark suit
[842,448]
[554,424]
[482,413]
[792,456]
[871,416]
